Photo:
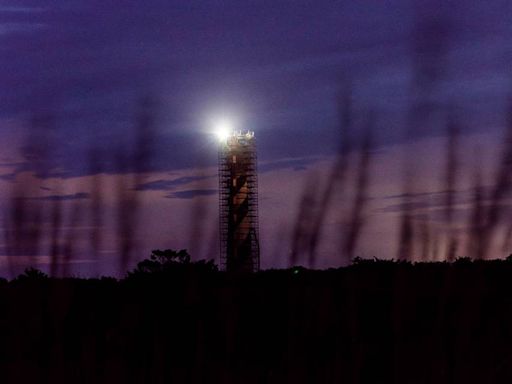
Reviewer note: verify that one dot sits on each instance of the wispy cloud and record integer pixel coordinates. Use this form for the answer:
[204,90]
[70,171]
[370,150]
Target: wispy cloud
[434,201]
[6,28]
[166,185]
[18,9]
[191,193]
[299,164]
[406,206]
[8,177]
[74,196]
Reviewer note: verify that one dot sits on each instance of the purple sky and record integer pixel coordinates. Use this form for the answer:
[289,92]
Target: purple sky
[80,81]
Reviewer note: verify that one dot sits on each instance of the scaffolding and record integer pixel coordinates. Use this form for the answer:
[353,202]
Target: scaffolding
[238,203]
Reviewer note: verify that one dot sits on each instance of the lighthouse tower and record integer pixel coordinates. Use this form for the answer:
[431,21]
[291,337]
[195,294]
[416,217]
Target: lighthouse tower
[238,203]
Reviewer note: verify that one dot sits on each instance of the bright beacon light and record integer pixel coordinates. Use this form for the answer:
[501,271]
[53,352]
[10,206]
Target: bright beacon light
[223,129]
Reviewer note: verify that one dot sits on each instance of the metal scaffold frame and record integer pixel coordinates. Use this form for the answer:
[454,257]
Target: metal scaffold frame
[238,203]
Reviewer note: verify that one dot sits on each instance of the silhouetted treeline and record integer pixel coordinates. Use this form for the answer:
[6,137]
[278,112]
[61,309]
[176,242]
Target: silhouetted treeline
[186,322]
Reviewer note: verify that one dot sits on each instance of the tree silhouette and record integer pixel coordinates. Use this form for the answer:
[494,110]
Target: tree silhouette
[170,260]
[32,274]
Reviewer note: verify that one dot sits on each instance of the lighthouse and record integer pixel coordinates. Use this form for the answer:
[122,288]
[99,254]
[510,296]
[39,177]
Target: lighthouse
[238,202]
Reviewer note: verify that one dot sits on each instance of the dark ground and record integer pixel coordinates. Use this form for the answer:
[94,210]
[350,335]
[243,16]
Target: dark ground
[373,322]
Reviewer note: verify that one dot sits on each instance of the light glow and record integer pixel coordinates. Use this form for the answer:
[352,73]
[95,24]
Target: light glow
[223,130]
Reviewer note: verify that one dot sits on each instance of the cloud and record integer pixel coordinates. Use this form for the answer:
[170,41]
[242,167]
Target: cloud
[7,28]
[166,185]
[75,196]
[406,207]
[415,195]
[295,164]
[191,193]
[18,9]
[435,201]
[8,177]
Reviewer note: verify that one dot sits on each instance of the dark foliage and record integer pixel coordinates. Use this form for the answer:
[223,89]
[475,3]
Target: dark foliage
[377,321]
[161,262]
[32,274]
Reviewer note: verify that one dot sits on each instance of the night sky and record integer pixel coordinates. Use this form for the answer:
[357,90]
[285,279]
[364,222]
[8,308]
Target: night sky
[118,99]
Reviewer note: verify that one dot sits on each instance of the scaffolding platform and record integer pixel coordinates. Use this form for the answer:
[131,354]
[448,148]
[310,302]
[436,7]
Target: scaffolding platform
[238,203]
